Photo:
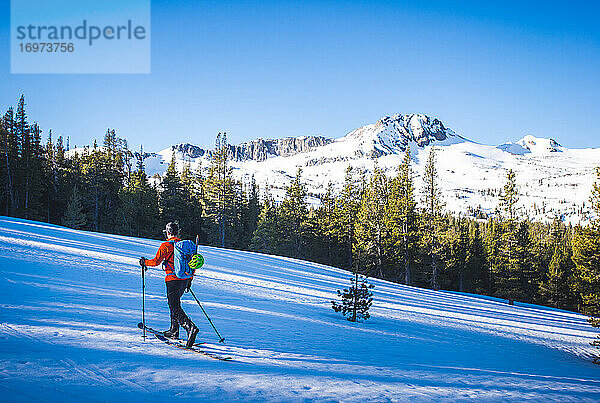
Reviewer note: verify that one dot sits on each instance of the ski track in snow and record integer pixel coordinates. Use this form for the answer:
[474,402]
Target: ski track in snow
[70,302]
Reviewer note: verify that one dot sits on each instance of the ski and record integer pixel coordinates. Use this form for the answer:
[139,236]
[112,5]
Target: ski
[196,348]
[155,332]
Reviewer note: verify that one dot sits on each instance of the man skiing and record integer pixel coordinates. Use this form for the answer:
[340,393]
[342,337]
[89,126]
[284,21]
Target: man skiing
[175,286]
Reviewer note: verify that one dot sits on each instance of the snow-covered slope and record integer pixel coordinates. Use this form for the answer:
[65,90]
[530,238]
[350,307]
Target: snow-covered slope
[70,302]
[553,180]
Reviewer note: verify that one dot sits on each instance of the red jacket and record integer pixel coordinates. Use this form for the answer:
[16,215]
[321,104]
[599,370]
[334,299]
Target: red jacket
[165,252]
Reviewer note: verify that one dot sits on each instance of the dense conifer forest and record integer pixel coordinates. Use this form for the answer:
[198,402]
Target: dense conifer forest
[376,226]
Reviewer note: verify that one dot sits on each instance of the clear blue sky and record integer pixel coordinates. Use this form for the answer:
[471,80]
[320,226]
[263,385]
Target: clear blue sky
[492,71]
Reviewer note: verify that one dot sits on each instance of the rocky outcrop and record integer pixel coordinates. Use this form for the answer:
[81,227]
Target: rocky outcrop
[259,149]
[190,151]
[424,129]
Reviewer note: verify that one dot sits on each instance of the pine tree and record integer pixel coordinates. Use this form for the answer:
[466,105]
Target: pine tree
[200,196]
[3,168]
[238,211]
[7,157]
[557,286]
[510,197]
[267,235]
[251,214]
[355,300]
[346,212]
[586,255]
[514,239]
[219,195]
[139,211]
[37,179]
[102,177]
[29,168]
[114,173]
[325,232]
[171,199]
[477,266]
[23,170]
[191,218]
[51,177]
[60,151]
[11,153]
[370,229]
[74,215]
[544,238]
[432,199]
[522,264]
[454,252]
[294,218]
[65,179]
[402,218]
[492,244]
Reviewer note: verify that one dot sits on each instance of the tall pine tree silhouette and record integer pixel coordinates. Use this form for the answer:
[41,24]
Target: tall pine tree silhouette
[219,194]
[431,220]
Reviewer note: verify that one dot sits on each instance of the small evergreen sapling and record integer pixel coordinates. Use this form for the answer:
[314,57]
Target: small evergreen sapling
[355,300]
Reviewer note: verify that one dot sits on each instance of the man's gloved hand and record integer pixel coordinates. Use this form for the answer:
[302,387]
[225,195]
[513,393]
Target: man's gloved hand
[189,285]
[143,261]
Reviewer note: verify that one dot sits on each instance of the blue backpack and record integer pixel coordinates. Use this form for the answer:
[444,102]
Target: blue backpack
[182,254]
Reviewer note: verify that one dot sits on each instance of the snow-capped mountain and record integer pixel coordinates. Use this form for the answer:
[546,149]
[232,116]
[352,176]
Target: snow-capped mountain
[553,180]
[391,135]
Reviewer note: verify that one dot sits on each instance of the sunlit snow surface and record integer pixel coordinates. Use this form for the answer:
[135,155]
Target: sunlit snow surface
[70,302]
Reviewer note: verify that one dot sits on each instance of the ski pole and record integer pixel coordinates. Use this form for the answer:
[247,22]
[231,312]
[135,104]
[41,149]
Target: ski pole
[222,339]
[144,268]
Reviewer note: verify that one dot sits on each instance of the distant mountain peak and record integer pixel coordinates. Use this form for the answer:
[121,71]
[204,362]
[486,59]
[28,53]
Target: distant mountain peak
[391,134]
[540,144]
[532,145]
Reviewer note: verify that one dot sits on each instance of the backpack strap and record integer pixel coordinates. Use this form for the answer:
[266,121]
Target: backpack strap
[166,261]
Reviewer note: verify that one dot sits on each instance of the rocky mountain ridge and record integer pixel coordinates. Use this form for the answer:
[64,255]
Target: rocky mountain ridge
[389,135]
[258,150]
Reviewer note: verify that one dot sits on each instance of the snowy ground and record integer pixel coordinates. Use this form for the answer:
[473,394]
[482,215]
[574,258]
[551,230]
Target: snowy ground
[70,302]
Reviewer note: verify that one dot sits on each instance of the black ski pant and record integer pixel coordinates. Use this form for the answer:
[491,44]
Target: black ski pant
[175,289]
